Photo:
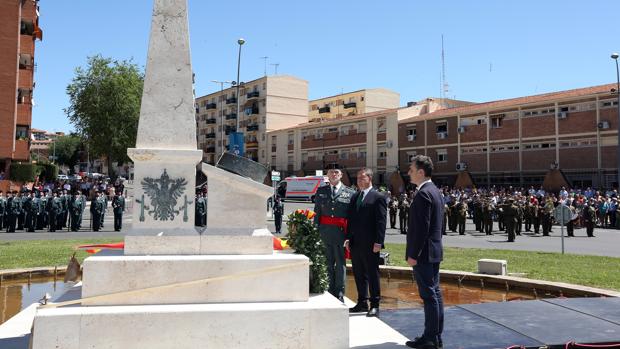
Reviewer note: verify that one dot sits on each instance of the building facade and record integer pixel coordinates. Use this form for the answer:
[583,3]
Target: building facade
[516,141]
[268,103]
[19,29]
[352,103]
[42,143]
[364,140]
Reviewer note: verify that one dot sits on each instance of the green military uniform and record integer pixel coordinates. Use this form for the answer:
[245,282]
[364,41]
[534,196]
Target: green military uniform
[75,210]
[200,208]
[55,213]
[453,215]
[527,216]
[510,219]
[19,199]
[547,215]
[2,210]
[42,216]
[477,215]
[519,224]
[570,225]
[333,203]
[487,218]
[403,214]
[12,210]
[462,217]
[536,217]
[27,208]
[118,205]
[589,215]
[33,213]
[96,212]
[393,211]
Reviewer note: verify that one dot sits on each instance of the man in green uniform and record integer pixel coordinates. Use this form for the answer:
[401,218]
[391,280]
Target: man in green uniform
[510,218]
[453,215]
[2,210]
[519,224]
[26,208]
[477,213]
[76,209]
[19,199]
[55,213]
[331,204]
[278,212]
[393,210]
[403,213]
[487,217]
[12,210]
[200,208]
[96,209]
[589,216]
[118,205]
[462,216]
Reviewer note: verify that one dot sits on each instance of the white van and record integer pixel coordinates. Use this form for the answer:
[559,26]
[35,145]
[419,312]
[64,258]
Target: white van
[303,188]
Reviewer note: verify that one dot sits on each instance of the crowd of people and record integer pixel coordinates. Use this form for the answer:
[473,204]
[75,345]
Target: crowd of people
[60,205]
[515,210]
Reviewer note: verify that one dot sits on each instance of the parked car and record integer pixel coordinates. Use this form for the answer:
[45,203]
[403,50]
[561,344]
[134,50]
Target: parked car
[62,177]
[75,177]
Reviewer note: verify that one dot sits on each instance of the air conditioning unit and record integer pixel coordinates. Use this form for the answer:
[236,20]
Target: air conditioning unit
[411,138]
[461,166]
[603,125]
[562,115]
[554,166]
[442,135]
[461,129]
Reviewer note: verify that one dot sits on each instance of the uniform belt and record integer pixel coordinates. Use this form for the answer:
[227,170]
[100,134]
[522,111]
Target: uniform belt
[337,221]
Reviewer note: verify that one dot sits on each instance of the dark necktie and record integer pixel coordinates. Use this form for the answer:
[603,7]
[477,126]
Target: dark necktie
[333,191]
[360,198]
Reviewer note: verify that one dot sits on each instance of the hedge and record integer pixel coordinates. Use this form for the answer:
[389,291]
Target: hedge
[28,172]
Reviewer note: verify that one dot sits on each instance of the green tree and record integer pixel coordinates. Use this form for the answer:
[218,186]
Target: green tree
[105,106]
[67,148]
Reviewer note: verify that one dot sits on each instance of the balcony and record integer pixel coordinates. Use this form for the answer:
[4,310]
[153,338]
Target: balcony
[210,135]
[211,121]
[350,105]
[231,116]
[252,128]
[210,149]
[251,144]
[231,100]
[251,111]
[229,129]
[253,94]
[324,110]
[211,106]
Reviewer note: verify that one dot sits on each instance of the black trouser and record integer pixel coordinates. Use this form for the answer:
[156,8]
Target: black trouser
[2,218]
[590,228]
[528,224]
[403,223]
[488,226]
[393,220]
[96,219]
[366,272]
[478,223]
[570,228]
[427,277]
[278,221]
[536,222]
[510,229]
[53,223]
[10,224]
[31,222]
[518,226]
[20,221]
[546,225]
[461,224]
[118,221]
[75,222]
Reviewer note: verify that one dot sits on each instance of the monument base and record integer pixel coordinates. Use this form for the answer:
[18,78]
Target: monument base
[320,323]
[211,242]
[195,279]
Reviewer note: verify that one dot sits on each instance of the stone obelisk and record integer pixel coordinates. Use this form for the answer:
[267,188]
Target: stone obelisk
[166,154]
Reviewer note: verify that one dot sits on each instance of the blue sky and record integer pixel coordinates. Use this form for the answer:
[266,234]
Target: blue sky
[493,49]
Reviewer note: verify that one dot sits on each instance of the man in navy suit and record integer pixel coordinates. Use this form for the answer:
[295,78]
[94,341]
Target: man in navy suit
[365,236]
[424,250]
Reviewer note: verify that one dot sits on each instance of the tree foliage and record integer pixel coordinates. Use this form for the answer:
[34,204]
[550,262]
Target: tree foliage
[67,148]
[104,106]
[304,238]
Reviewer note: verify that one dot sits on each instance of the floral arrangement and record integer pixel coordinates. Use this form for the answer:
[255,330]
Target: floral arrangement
[303,237]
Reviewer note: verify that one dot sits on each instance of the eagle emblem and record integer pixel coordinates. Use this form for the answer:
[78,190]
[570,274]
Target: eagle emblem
[163,193]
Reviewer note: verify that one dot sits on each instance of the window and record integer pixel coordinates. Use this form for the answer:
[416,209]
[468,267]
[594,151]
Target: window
[382,152]
[442,127]
[332,129]
[291,138]
[412,134]
[442,155]
[381,127]
[304,157]
[496,122]
[304,135]
[344,130]
[362,153]
[361,128]
[264,86]
[273,160]
[273,140]
[290,160]
[344,154]
[21,132]
[411,155]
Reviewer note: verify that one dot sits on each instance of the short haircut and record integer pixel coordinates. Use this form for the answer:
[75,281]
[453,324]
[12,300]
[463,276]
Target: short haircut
[334,169]
[367,171]
[423,162]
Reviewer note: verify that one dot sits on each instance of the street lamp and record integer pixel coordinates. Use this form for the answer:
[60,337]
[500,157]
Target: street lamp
[222,109]
[240,42]
[615,56]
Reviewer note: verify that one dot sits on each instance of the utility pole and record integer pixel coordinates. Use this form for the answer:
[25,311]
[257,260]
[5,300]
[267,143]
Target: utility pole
[265,59]
[276,66]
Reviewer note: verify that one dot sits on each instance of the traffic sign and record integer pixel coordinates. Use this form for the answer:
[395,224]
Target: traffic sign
[275,175]
[562,214]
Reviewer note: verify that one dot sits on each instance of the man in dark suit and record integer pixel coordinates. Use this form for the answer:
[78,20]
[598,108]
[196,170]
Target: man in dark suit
[365,236]
[424,250]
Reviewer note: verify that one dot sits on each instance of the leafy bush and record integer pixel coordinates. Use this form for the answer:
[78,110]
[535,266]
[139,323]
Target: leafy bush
[48,172]
[304,238]
[23,172]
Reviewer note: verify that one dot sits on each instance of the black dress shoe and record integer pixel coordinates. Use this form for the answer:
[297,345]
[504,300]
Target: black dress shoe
[373,312]
[421,343]
[359,308]
[341,298]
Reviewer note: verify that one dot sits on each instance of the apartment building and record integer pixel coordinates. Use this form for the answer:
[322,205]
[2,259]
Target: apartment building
[42,143]
[516,141]
[19,29]
[268,103]
[352,103]
[364,140]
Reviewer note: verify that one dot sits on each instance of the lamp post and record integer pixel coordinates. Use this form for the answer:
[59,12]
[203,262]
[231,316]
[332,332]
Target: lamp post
[615,56]
[222,109]
[240,42]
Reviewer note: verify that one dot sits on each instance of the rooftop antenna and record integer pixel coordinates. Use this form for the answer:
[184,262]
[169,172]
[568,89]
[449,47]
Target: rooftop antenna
[265,59]
[444,84]
[276,66]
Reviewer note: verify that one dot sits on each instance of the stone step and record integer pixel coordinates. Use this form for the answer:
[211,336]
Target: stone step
[113,274]
[320,323]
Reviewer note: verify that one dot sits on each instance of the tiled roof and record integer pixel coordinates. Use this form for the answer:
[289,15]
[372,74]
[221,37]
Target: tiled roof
[514,102]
